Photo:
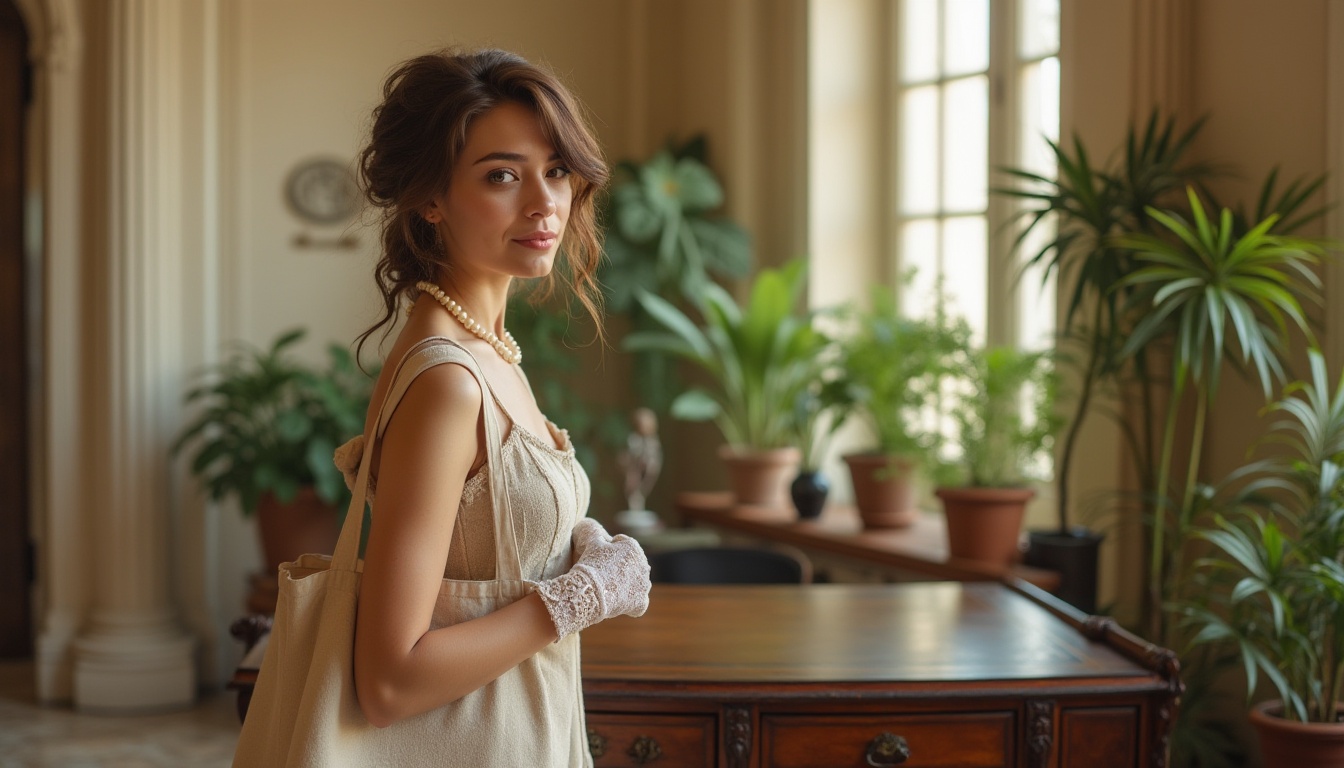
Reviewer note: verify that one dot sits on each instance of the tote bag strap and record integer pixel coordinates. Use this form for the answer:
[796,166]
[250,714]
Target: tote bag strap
[437,350]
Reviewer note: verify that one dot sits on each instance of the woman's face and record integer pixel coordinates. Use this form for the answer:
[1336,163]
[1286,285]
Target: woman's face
[508,199]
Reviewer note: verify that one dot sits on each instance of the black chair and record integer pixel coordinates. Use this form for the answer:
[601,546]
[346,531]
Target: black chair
[730,565]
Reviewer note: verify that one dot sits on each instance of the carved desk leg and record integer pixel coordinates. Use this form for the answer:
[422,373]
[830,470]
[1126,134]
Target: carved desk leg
[737,736]
[1040,732]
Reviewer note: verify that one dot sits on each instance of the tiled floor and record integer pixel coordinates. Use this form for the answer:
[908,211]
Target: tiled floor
[32,736]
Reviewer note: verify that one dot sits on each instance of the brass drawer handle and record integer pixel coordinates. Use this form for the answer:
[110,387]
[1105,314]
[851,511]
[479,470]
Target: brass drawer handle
[887,749]
[644,750]
[597,744]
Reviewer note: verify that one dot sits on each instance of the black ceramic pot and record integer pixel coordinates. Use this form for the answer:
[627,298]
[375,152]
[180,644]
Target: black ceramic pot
[1072,554]
[809,491]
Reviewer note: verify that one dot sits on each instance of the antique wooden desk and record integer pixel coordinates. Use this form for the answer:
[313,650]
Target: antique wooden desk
[924,674]
[919,551]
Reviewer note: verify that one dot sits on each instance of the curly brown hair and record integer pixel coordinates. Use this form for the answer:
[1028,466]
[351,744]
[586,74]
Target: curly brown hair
[418,133]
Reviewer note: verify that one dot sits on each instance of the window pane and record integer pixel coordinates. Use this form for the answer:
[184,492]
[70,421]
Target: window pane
[966,263]
[966,142]
[1036,302]
[919,150]
[1039,28]
[919,40]
[965,37]
[919,252]
[1040,116]
[1040,119]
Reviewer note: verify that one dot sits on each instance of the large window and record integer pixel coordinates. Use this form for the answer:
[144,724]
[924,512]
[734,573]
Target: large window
[976,89]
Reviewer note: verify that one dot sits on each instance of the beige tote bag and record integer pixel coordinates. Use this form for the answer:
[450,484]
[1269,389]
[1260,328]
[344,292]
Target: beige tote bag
[304,712]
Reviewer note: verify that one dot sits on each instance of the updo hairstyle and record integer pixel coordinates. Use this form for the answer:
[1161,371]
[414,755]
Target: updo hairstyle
[419,131]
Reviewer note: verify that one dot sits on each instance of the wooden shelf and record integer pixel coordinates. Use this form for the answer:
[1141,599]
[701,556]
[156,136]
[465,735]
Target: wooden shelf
[919,549]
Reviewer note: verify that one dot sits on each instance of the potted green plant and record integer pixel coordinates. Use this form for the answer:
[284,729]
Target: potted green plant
[1203,287]
[1274,584]
[665,237]
[758,357]
[893,368]
[1004,411]
[266,432]
[1072,220]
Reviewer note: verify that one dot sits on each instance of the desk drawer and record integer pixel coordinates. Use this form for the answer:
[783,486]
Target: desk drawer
[954,740]
[639,739]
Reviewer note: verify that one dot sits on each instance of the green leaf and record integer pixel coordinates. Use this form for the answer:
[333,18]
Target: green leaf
[695,185]
[678,323]
[695,405]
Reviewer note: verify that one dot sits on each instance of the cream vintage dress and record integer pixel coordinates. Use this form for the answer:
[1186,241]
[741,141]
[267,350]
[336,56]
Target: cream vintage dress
[545,493]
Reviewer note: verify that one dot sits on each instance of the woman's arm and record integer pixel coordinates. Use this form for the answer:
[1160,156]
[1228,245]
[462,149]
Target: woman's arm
[402,668]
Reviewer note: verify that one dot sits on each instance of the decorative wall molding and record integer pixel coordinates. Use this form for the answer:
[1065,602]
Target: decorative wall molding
[1163,37]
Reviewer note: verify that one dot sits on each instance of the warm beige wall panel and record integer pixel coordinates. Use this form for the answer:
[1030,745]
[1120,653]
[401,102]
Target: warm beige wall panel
[1259,73]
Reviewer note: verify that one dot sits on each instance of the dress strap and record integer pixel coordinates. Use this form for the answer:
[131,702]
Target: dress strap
[438,350]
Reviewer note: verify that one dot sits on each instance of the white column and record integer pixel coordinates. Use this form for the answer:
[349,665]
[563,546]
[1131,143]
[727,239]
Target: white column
[132,655]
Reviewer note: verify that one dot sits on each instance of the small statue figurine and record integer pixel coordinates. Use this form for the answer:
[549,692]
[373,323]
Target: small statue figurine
[642,458]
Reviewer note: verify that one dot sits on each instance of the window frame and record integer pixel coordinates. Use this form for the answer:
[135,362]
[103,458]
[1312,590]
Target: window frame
[1006,67]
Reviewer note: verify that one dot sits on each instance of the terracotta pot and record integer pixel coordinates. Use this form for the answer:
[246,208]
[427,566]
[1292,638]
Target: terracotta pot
[761,478]
[883,490]
[984,523]
[306,524]
[1290,744]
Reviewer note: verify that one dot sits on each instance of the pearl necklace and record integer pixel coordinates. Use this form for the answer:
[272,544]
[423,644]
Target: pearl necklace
[510,351]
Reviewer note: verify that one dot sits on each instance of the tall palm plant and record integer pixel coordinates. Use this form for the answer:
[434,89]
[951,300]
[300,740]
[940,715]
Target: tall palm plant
[1204,288]
[1075,216]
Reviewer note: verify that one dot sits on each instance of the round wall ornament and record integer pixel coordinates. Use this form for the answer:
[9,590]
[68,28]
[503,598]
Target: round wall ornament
[322,191]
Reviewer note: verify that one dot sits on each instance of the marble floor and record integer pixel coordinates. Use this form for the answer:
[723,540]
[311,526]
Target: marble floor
[33,736]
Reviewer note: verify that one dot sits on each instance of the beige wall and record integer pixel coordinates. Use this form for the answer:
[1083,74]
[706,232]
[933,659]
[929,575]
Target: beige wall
[1260,74]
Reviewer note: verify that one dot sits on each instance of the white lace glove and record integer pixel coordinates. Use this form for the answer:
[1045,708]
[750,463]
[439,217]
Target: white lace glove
[610,577]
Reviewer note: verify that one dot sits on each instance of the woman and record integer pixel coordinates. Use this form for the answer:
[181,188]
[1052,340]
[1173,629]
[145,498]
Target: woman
[482,167]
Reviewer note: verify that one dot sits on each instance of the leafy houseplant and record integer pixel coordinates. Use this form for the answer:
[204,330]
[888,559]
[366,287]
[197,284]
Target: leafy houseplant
[1203,287]
[893,368]
[1275,585]
[1093,229]
[663,232]
[663,237]
[759,358]
[1073,219]
[268,429]
[985,489]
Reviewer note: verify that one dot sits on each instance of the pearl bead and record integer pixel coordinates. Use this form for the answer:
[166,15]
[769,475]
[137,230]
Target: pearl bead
[510,352]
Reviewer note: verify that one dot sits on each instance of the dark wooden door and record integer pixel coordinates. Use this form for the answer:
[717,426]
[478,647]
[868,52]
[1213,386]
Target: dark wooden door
[16,632]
